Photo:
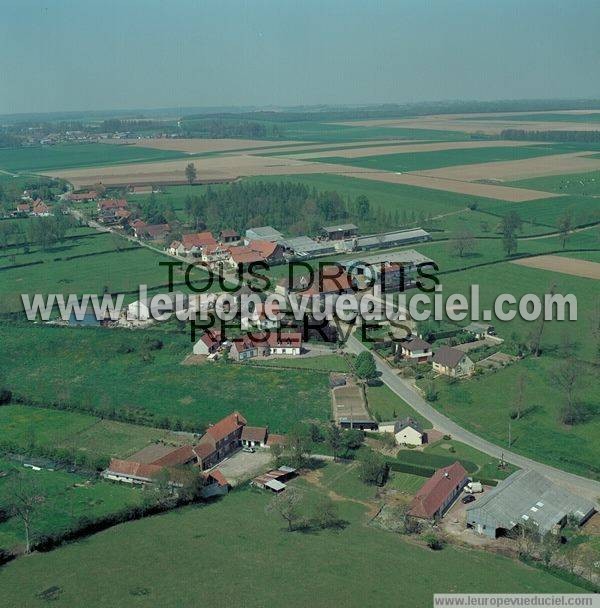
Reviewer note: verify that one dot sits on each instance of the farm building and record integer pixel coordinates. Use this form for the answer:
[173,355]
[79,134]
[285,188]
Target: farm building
[263,233]
[273,343]
[480,330]
[416,350]
[406,431]
[254,436]
[153,232]
[392,239]
[176,248]
[229,237]
[264,316]
[305,247]
[526,497]
[452,362]
[274,480]
[340,232]
[215,484]
[439,492]
[153,306]
[220,440]
[195,242]
[82,197]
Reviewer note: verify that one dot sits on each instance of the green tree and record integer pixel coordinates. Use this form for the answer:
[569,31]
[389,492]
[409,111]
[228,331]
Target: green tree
[373,468]
[365,366]
[190,173]
[565,226]
[334,439]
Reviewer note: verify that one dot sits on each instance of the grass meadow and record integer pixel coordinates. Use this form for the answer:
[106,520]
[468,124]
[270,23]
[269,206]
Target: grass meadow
[229,537]
[83,367]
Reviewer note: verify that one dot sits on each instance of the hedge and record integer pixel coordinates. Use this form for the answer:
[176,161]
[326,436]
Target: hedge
[413,469]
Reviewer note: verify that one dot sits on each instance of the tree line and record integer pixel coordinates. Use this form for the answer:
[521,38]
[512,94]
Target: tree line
[553,136]
[222,129]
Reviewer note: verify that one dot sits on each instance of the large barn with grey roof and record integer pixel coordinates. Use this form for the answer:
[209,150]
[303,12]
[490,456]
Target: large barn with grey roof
[526,497]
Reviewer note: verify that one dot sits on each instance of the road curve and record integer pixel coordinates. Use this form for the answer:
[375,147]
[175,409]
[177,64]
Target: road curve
[579,485]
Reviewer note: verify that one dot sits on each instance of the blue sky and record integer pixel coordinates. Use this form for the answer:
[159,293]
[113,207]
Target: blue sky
[82,55]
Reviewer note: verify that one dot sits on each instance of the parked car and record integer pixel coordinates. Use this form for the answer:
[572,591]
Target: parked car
[248,449]
[467,499]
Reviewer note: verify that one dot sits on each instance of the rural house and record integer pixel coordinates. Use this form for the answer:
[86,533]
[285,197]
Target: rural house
[220,440]
[480,330]
[438,492]
[406,431]
[526,497]
[176,248]
[417,350]
[452,362]
[194,243]
[254,436]
[209,343]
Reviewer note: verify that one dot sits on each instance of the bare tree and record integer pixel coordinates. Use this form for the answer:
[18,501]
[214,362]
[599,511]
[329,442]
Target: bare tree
[287,505]
[463,243]
[536,339]
[24,500]
[326,513]
[567,377]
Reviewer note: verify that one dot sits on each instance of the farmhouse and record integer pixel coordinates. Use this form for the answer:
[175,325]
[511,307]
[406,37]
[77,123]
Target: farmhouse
[273,343]
[331,280]
[438,492]
[193,243]
[406,431]
[416,350]
[256,251]
[220,440]
[452,362]
[176,248]
[131,472]
[40,209]
[340,232]
[263,233]
[526,497]
[209,343]
[214,253]
[107,210]
[82,197]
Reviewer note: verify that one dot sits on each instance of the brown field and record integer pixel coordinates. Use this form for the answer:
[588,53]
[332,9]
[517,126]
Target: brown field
[512,170]
[412,147]
[194,146]
[557,263]
[455,122]
[331,146]
[230,167]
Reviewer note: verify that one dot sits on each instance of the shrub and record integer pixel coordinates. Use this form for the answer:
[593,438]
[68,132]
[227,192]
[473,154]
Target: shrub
[5,396]
[433,541]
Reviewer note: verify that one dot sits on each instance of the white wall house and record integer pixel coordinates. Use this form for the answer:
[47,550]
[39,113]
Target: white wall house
[406,431]
[452,362]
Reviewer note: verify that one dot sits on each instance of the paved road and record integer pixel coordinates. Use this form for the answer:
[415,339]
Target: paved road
[580,485]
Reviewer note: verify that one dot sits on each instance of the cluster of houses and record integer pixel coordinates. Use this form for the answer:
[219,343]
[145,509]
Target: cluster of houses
[113,211]
[446,360]
[249,345]
[32,208]
[219,441]
[524,498]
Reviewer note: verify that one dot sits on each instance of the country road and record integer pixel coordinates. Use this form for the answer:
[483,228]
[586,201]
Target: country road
[580,485]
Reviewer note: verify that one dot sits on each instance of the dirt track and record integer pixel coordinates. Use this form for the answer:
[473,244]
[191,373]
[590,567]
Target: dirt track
[557,263]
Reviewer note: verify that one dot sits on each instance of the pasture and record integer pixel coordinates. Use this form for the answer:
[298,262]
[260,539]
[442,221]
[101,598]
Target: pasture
[338,562]
[584,184]
[67,498]
[86,368]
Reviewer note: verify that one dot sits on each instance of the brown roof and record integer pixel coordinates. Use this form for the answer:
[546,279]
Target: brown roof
[112,203]
[265,248]
[178,456]
[329,281]
[211,337]
[245,255]
[83,196]
[416,344]
[448,356]
[155,230]
[272,439]
[198,239]
[131,468]
[228,234]
[204,450]
[226,426]
[218,477]
[254,433]
[435,491]
[285,339]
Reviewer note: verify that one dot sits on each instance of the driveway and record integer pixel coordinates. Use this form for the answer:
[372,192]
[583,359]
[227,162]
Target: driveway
[243,466]
[577,484]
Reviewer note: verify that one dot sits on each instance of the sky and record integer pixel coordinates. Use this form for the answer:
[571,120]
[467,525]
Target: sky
[63,55]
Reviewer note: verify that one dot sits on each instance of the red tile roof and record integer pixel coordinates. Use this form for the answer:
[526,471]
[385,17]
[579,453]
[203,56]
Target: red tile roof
[265,248]
[112,203]
[329,281]
[284,339]
[83,196]
[245,255]
[229,234]
[226,426]
[156,230]
[178,456]
[204,450]
[198,239]
[272,439]
[435,491]
[129,468]
[211,337]
[218,477]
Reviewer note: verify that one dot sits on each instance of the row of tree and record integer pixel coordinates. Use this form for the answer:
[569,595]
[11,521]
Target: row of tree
[552,136]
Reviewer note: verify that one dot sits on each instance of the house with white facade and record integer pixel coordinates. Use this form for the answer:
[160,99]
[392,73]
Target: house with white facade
[452,362]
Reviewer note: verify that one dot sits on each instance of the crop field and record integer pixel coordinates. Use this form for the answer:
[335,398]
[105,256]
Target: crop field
[585,184]
[563,265]
[199,146]
[67,498]
[339,563]
[64,156]
[83,367]
[419,161]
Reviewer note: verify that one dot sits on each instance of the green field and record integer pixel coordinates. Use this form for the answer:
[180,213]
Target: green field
[118,269]
[84,367]
[325,363]
[405,482]
[420,161]
[31,429]
[133,564]
[543,117]
[386,405]
[70,156]
[63,504]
